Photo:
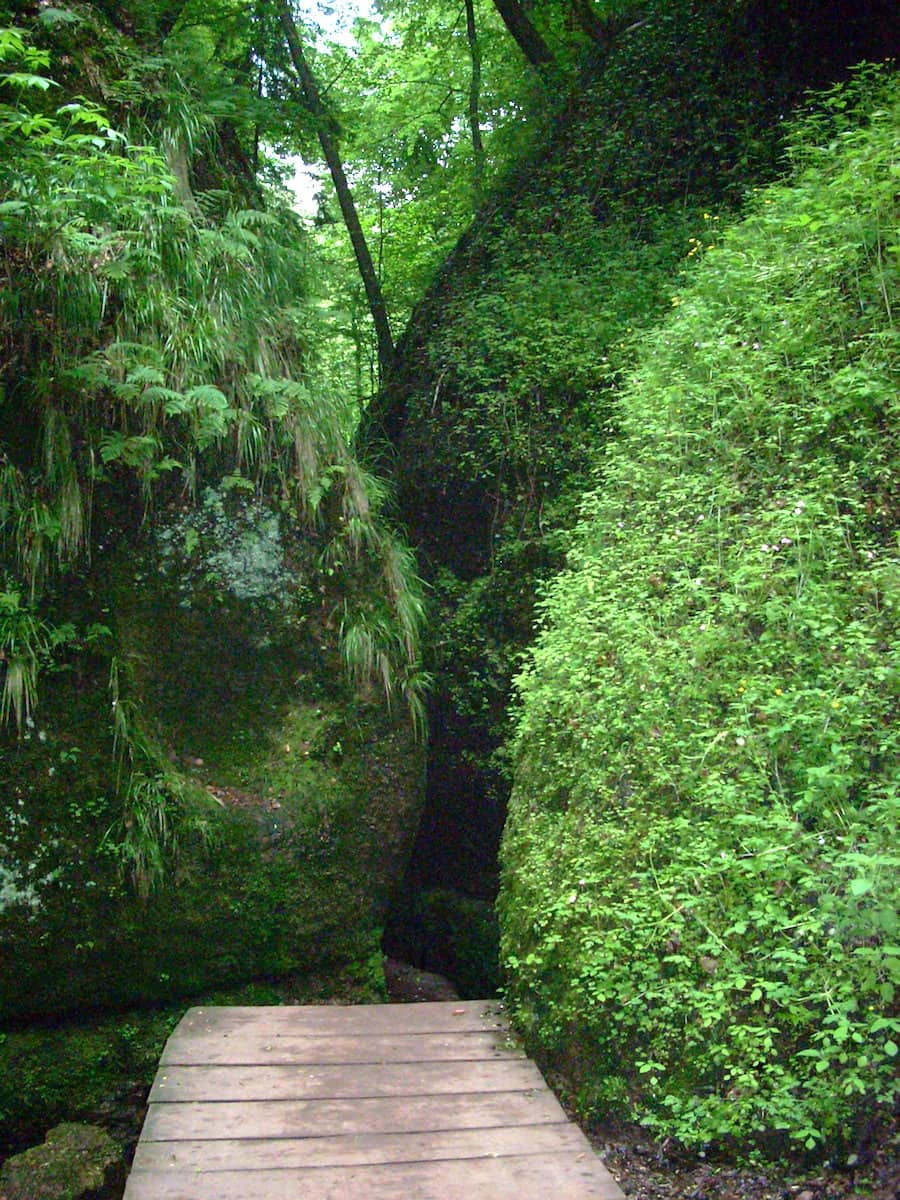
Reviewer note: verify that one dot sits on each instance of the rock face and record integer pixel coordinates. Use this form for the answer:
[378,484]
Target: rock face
[407,985]
[76,1162]
[449,933]
[506,378]
[252,820]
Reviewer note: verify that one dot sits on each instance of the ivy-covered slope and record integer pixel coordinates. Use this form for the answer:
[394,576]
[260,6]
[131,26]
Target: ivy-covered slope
[508,371]
[698,906]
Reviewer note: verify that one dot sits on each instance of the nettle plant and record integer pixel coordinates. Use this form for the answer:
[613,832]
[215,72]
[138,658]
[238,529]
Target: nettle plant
[699,901]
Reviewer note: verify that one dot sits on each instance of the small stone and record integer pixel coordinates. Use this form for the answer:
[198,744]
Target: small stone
[807,1195]
[75,1161]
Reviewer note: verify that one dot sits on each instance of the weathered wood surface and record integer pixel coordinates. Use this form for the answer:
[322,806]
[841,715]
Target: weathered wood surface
[371,1102]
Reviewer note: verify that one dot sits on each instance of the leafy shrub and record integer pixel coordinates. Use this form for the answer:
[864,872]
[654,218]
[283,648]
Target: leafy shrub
[697,908]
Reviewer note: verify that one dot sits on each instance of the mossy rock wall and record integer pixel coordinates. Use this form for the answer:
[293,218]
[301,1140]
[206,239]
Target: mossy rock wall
[297,806]
[99,1068]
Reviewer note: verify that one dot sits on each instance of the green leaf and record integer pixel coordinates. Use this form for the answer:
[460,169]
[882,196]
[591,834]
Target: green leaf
[57,16]
[25,79]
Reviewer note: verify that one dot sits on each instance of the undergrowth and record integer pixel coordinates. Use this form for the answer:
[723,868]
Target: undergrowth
[160,370]
[699,871]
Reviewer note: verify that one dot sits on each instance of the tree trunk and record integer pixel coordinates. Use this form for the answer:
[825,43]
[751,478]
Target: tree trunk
[475,100]
[527,37]
[328,142]
[599,31]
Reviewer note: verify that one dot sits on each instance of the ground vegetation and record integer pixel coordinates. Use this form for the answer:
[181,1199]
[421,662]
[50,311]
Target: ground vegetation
[699,864]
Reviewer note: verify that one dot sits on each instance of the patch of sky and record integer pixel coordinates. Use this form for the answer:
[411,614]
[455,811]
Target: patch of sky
[328,23]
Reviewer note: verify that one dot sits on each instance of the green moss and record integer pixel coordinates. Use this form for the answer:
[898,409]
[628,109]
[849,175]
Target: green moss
[97,1069]
[73,1162]
[75,1072]
[282,809]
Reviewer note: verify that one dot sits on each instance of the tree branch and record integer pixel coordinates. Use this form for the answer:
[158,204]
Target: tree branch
[526,36]
[475,99]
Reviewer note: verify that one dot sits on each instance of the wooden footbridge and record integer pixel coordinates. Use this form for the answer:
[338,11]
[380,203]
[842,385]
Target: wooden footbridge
[371,1102]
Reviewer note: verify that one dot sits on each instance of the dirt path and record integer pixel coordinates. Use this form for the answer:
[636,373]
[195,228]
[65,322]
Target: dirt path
[646,1171]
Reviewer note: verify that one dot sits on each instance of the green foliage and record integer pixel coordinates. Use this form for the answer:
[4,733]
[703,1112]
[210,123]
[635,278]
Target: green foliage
[698,911]
[511,365]
[537,349]
[400,93]
[260,819]
[159,337]
[23,643]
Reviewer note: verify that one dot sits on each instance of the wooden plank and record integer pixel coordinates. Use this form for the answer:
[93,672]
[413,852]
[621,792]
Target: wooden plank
[307,1118]
[358,1148]
[522,1177]
[328,1020]
[258,1049]
[202,1082]
[432,1102]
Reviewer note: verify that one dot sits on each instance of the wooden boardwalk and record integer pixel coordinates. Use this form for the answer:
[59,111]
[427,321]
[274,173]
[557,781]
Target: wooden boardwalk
[371,1102]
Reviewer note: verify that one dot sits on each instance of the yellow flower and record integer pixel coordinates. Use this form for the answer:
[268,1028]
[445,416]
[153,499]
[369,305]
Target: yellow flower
[779,692]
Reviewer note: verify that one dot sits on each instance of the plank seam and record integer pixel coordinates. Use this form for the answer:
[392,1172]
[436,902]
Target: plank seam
[349,1099]
[303,1137]
[363,1062]
[382,1162]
